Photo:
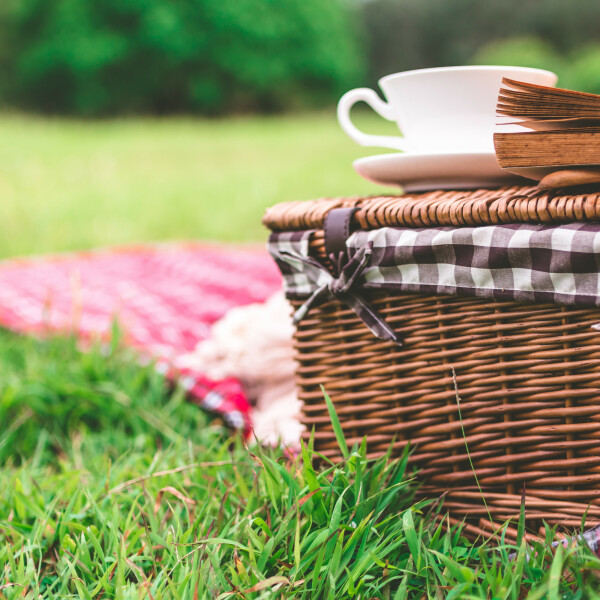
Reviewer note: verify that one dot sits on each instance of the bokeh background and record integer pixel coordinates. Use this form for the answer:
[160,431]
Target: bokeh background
[128,121]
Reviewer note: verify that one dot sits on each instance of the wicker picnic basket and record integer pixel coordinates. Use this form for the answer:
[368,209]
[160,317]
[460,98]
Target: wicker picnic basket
[527,375]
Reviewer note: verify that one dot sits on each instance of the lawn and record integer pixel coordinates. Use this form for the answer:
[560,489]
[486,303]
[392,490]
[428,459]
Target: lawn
[68,185]
[112,485]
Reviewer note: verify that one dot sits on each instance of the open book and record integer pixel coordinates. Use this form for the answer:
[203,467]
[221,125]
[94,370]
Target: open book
[564,127]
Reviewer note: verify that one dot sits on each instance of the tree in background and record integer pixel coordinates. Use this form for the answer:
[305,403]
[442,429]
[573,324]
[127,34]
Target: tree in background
[553,34]
[100,57]
[106,57]
[578,69]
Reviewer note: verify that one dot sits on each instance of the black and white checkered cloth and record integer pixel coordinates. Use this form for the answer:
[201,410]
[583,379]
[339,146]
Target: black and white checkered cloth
[311,278]
[524,262]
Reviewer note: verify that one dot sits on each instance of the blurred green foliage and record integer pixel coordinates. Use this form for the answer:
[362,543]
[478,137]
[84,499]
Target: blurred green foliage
[552,34]
[97,57]
[578,70]
[106,57]
[584,71]
[527,51]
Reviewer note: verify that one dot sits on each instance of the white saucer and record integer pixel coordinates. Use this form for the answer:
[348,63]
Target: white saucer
[419,172]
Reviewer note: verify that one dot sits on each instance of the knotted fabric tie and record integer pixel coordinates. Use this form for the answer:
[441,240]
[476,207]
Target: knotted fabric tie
[340,287]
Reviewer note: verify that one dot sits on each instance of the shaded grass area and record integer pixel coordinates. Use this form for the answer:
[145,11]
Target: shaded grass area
[113,486]
[68,185]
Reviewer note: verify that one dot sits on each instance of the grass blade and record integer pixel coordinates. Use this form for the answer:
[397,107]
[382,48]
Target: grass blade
[335,422]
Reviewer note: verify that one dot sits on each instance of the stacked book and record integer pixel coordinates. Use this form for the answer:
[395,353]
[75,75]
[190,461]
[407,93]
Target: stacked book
[558,134]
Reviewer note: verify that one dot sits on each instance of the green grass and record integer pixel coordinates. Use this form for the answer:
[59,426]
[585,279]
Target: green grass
[112,485]
[68,185]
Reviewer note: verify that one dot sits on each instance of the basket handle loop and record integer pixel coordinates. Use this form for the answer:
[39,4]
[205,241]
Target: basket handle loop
[336,230]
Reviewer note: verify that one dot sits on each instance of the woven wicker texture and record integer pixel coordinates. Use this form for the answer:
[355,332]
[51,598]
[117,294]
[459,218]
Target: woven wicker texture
[439,208]
[528,376]
[529,382]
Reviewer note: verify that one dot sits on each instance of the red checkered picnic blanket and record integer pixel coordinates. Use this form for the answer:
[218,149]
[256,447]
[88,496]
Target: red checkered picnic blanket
[164,297]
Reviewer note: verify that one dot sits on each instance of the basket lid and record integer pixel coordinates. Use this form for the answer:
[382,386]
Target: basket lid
[445,208]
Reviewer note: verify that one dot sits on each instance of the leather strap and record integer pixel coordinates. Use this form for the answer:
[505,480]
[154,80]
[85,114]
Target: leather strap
[337,229]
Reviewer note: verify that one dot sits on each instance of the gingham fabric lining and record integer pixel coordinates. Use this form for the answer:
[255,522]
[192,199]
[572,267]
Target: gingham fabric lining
[523,262]
[295,278]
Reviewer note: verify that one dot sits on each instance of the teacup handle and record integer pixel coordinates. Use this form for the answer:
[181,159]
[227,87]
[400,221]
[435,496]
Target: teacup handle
[383,109]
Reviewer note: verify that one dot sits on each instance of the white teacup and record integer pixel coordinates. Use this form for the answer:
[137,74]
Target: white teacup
[443,110]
